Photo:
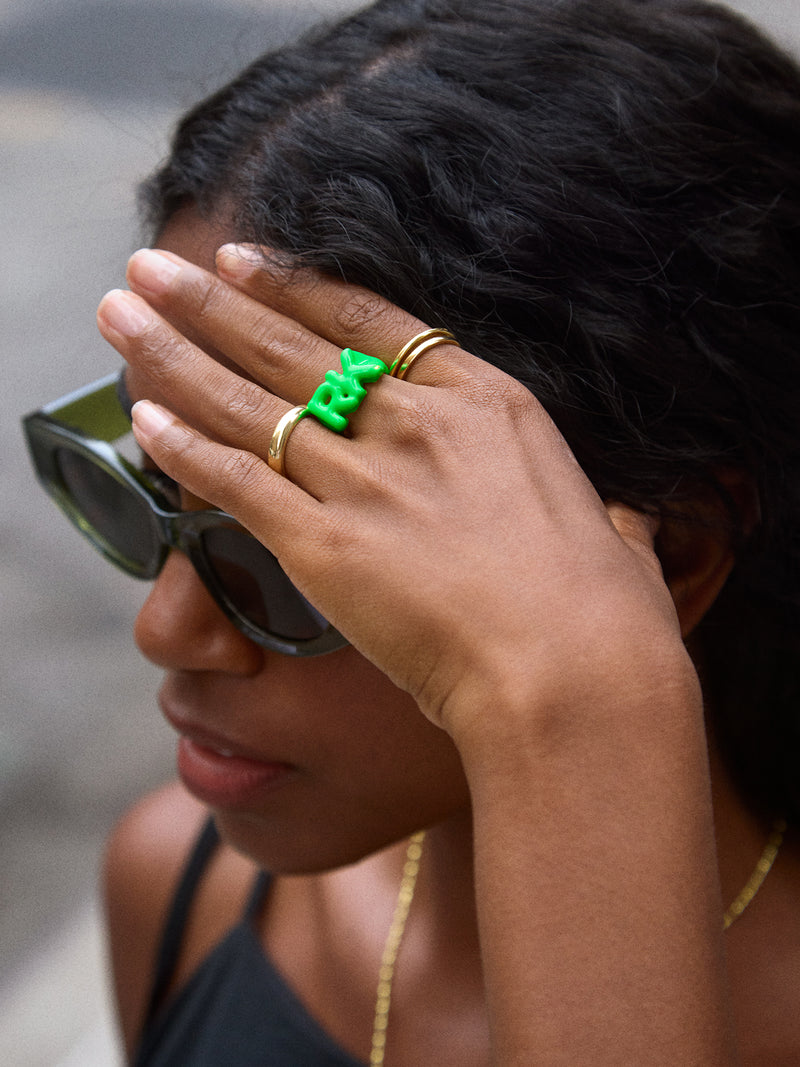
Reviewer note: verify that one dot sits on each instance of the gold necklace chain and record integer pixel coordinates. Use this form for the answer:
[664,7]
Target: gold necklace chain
[405,895]
[760,872]
[386,974]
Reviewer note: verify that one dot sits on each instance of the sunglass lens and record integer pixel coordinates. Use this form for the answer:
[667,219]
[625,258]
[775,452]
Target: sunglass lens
[255,585]
[117,518]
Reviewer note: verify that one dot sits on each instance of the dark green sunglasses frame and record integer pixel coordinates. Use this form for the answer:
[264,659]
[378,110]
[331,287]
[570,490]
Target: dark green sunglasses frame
[87,422]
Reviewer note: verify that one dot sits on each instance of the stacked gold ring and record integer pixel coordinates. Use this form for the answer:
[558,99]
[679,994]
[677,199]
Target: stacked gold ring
[418,345]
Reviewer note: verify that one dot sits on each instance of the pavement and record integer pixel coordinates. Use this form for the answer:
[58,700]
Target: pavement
[88,92]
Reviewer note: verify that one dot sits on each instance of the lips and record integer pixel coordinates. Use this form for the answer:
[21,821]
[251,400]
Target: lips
[219,771]
[227,781]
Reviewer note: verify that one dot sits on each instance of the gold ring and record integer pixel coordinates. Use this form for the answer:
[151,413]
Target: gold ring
[280,436]
[423,342]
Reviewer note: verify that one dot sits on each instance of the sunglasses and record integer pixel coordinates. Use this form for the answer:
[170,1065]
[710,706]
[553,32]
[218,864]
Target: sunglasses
[131,516]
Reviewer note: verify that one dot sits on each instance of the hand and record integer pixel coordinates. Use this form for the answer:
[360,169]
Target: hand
[451,535]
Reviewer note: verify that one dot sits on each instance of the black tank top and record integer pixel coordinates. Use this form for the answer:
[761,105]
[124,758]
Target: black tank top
[236,1010]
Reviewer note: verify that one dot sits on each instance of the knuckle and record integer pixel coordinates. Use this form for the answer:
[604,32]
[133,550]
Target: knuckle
[162,354]
[331,538]
[281,348]
[377,476]
[426,420]
[237,469]
[322,547]
[181,444]
[245,404]
[501,395]
[359,311]
[257,333]
[206,298]
[423,417]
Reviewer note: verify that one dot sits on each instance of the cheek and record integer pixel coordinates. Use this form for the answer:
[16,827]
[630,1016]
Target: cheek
[379,729]
[375,771]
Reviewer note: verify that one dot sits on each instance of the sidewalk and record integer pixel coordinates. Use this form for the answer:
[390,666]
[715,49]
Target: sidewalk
[57,1011]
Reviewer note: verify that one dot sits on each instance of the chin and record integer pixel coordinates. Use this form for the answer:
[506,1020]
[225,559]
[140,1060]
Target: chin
[313,849]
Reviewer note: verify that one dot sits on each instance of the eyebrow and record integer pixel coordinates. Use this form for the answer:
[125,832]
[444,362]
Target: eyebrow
[123,395]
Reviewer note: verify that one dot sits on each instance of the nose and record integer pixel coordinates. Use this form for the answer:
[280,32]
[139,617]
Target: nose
[181,627]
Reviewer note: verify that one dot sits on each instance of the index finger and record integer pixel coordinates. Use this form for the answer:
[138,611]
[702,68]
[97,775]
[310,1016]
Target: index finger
[347,315]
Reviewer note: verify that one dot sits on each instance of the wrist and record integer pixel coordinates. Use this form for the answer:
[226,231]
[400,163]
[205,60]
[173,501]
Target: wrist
[529,710]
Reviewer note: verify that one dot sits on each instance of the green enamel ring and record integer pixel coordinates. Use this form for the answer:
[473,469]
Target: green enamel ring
[339,395]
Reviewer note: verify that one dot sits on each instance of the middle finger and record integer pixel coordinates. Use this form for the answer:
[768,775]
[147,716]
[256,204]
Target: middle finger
[276,351]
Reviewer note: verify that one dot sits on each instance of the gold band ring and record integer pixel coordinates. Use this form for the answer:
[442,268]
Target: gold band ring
[423,342]
[280,436]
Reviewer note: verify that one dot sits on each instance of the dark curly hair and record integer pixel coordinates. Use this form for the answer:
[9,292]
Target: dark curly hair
[601,197]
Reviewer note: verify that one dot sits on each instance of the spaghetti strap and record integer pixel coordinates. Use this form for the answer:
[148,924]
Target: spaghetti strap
[175,924]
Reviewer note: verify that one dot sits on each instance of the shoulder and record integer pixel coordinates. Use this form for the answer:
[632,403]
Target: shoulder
[144,860]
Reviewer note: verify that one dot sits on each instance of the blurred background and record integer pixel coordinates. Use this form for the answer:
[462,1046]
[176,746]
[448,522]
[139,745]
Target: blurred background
[89,90]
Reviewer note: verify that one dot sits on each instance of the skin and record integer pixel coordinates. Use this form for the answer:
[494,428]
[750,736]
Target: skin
[568,703]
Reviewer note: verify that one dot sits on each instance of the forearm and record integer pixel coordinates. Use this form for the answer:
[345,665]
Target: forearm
[597,885]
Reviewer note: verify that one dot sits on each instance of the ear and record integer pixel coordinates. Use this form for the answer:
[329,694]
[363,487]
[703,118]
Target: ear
[696,547]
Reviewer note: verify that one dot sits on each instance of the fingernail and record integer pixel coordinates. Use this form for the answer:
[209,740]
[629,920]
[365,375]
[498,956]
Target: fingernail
[151,270]
[150,419]
[239,261]
[124,312]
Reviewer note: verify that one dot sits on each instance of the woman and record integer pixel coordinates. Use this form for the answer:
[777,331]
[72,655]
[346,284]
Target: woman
[579,678]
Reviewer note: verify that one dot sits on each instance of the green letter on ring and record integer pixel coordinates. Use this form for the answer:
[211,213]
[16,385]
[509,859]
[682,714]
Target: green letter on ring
[340,394]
